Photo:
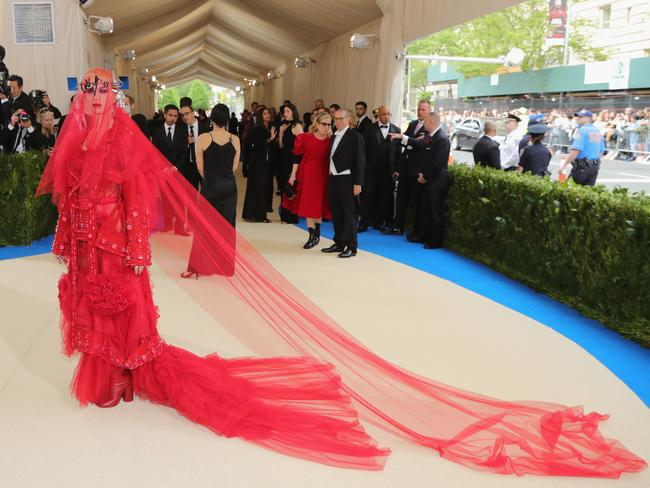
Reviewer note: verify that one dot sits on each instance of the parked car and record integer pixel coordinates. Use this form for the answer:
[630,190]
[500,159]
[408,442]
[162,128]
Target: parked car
[467,133]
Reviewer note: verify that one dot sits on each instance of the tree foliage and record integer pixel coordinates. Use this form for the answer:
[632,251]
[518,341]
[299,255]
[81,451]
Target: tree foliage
[493,35]
[199,91]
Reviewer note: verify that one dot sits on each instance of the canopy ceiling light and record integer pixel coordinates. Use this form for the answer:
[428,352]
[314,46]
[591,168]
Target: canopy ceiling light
[238,88]
[129,54]
[99,25]
[163,87]
[272,75]
[153,78]
[86,3]
[303,62]
[362,41]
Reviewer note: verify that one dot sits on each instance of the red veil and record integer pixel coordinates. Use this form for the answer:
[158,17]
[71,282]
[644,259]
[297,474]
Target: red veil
[257,305]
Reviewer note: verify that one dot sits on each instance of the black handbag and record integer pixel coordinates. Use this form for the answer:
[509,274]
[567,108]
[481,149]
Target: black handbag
[291,190]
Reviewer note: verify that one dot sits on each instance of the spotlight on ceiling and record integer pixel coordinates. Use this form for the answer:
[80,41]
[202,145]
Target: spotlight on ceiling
[86,3]
[238,88]
[163,87]
[99,25]
[271,75]
[153,78]
[362,41]
[129,54]
[303,62]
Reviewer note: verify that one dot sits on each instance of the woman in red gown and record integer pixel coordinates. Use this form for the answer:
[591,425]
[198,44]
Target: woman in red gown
[106,179]
[290,404]
[311,174]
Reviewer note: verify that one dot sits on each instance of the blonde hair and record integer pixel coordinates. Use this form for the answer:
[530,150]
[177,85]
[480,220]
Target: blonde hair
[314,125]
[46,132]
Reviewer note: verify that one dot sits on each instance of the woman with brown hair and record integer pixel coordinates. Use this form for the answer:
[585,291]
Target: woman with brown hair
[261,152]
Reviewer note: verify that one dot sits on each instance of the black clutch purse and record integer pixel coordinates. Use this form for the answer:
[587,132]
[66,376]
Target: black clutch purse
[291,190]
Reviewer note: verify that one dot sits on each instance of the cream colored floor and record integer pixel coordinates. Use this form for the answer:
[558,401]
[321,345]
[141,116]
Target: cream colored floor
[421,322]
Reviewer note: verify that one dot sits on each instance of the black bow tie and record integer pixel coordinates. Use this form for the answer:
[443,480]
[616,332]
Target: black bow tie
[383,127]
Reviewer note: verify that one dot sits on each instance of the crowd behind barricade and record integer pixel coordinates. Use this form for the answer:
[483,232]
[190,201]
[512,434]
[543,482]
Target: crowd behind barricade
[626,132]
[349,165]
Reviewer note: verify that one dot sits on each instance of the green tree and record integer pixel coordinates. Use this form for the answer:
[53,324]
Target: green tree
[523,26]
[199,91]
[168,96]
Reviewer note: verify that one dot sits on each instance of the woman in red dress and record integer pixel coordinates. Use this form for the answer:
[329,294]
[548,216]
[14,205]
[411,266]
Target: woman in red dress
[311,174]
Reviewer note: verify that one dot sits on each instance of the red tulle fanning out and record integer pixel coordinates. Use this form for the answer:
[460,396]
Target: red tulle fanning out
[315,383]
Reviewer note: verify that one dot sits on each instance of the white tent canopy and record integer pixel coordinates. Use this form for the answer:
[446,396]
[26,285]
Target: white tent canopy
[225,41]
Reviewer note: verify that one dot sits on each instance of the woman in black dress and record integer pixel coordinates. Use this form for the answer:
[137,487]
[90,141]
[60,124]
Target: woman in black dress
[261,150]
[217,157]
[290,127]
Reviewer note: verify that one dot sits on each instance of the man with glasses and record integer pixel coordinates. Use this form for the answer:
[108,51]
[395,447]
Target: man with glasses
[347,160]
[194,128]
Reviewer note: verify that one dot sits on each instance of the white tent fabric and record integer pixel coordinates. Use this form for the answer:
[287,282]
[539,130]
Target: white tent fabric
[225,41]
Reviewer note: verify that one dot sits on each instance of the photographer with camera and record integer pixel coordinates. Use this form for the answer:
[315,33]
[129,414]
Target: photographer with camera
[43,138]
[18,130]
[15,99]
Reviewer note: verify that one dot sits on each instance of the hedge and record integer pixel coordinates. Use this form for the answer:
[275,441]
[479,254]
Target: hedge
[586,247]
[23,217]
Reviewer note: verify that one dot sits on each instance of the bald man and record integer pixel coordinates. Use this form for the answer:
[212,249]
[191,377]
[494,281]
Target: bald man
[486,149]
[377,202]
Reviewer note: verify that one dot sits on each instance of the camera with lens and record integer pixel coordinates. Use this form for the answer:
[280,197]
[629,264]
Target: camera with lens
[4,75]
[24,117]
[37,99]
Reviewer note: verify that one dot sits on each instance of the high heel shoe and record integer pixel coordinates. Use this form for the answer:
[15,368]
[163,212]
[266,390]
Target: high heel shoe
[121,388]
[189,274]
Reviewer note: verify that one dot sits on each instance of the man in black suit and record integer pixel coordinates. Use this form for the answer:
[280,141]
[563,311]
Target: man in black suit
[194,128]
[486,150]
[377,205]
[347,157]
[363,121]
[18,99]
[171,140]
[14,136]
[433,179]
[408,189]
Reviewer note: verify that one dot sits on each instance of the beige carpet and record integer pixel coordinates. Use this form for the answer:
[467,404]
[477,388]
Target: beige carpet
[421,322]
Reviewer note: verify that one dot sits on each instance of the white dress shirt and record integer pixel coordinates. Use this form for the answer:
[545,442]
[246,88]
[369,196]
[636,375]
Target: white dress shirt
[418,126]
[21,138]
[337,139]
[195,129]
[167,127]
[509,150]
[384,128]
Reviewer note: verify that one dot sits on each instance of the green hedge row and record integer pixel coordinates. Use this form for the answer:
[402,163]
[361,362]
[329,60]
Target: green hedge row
[23,217]
[587,247]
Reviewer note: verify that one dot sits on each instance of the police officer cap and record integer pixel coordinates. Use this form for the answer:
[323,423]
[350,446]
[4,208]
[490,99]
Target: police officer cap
[535,119]
[513,117]
[583,113]
[537,129]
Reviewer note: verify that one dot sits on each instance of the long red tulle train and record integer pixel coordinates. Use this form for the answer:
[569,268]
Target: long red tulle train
[295,406]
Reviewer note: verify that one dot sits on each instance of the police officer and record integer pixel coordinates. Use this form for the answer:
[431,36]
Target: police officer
[587,147]
[535,119]
[536,156]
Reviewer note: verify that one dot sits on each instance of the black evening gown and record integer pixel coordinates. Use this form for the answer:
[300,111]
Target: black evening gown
[286,161]
[260,155]
[220,190]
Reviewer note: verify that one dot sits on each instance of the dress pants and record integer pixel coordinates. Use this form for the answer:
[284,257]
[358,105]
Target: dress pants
[343,207]
[408,190]
[432,210]
[585,175]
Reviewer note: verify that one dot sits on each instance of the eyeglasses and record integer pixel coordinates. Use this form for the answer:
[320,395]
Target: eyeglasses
[326,124]
[340,118]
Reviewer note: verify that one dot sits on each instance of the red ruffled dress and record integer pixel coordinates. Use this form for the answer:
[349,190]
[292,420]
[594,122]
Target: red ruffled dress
[311,199]
[295,405]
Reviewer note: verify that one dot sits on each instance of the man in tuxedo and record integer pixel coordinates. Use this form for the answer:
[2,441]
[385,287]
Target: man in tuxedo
[18,99]
[486,150]
[377,206]
[408,189]
[433,178]
[363,121]
[170,139]
[347,156]
[19,128]
[194,128]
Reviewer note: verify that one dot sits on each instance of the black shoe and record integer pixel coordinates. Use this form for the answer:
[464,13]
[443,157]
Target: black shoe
[397,231]
[332,248]
[348,253]
[432,246]
[413,238]
[362,228]
[311,242]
